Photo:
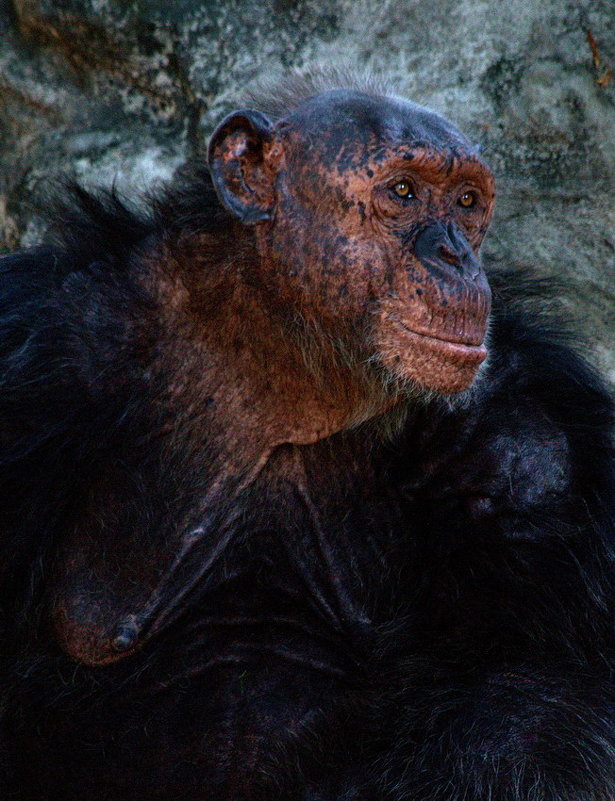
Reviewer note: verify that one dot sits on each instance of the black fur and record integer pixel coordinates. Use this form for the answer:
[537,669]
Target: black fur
[484,535]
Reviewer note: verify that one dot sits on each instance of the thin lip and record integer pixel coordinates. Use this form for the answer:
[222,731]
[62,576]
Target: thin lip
[459,343]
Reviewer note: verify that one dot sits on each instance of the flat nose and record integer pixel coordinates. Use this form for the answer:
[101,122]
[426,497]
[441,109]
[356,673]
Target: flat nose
[443,244]
[447,254]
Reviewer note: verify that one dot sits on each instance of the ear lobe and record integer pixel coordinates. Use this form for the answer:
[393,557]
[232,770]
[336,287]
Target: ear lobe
[236,161]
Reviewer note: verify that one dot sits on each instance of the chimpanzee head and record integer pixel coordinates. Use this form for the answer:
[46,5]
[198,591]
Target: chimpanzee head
[369,212]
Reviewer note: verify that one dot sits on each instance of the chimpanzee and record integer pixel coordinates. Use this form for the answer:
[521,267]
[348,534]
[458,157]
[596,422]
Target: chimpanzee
[292,507]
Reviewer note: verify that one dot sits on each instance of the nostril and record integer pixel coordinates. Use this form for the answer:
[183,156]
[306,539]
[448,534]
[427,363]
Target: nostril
[448,255]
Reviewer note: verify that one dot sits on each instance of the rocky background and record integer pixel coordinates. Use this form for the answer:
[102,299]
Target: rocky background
[123,90]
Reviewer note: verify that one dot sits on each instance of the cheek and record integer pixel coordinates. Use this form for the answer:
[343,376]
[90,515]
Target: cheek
[479,234]
[475,234]
[344,276]
[327,259]
[402,270]
[475,229]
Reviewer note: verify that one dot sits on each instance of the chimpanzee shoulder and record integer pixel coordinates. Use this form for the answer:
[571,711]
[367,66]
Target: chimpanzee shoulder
[537,427]
[68,375]
[541,358]
[513,506]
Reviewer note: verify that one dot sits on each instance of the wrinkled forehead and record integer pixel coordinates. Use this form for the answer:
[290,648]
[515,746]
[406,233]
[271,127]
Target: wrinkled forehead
[345,126]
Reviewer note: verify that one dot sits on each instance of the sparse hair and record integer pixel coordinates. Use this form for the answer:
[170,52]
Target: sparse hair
[277,96]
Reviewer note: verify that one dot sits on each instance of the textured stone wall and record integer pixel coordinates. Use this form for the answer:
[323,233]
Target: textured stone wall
[124,90]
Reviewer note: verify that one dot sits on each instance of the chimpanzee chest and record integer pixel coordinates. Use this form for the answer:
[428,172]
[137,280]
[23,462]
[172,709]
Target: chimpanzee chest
[272,649]
[271,652]
[193,733]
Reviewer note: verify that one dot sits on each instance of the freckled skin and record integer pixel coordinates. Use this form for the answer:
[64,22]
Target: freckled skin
[337,223]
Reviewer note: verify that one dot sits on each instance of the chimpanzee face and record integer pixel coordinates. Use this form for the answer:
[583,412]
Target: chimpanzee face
[369,212]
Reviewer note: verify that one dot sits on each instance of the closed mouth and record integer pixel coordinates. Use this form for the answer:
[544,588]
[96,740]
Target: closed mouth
[467,343]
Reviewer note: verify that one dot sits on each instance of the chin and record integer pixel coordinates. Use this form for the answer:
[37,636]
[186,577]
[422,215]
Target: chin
[425,366]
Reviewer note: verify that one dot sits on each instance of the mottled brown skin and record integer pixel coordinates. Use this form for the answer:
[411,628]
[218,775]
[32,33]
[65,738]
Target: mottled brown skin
[323,317]
[336,246]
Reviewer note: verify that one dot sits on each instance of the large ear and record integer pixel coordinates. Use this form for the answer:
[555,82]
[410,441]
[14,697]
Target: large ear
[236,160]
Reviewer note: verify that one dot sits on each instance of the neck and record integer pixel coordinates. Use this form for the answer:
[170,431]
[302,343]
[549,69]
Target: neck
[243,381]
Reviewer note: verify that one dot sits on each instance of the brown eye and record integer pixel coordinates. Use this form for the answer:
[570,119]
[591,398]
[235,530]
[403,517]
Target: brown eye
[403,189]
[467,200]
